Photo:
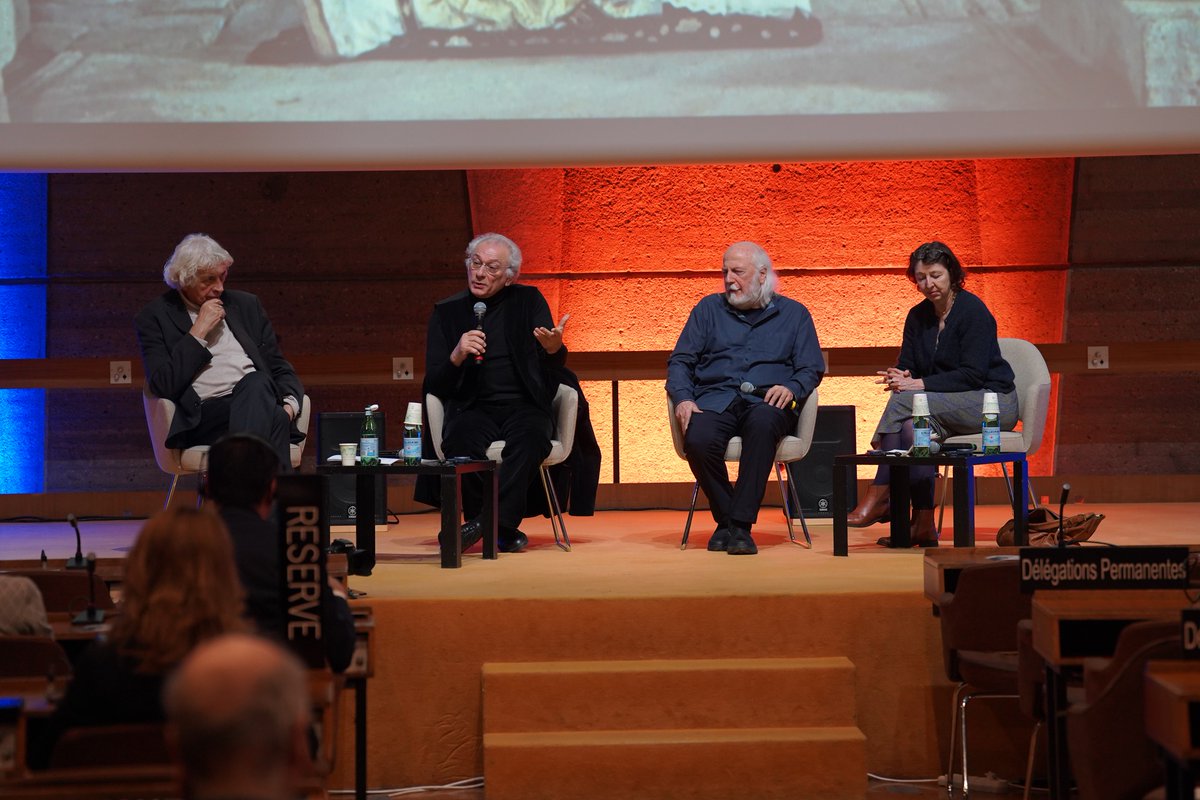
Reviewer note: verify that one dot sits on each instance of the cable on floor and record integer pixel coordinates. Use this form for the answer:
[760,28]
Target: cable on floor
[885,779]
[466,783]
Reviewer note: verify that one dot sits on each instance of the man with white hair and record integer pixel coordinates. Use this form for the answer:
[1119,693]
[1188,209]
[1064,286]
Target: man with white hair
[238,714]
[489,356]
[748,334]
[213,352]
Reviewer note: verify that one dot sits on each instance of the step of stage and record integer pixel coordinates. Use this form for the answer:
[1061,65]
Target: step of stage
[819,763]
[667,694]
[699,728]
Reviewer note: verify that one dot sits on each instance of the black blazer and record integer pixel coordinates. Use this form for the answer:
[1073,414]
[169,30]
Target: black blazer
[172,356]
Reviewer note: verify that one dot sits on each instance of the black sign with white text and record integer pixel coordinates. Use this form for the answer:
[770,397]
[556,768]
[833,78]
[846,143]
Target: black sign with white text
[1103,568]
[303,539]
[1190,633]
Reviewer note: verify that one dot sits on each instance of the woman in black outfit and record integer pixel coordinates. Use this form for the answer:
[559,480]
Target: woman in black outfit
[950,353]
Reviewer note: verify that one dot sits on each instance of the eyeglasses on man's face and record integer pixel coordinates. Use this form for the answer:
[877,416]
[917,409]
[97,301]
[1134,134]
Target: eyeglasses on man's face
[490,267]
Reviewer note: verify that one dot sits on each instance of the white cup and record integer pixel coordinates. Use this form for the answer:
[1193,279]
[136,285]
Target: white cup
[920,405]
[413,415]
[348,450]
[991,403]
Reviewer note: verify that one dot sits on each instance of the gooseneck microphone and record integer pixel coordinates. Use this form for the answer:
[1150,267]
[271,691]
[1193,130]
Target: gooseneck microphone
[76,562]
[91,615]
[480,309]
[749,388]
[1062,504]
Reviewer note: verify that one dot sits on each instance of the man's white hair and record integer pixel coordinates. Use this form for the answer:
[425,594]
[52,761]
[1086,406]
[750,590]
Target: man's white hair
[197,253]
[762,261]
[514,252]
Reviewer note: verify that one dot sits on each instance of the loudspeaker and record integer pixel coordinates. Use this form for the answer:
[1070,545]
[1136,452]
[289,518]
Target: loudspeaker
[813,475]
[345,426]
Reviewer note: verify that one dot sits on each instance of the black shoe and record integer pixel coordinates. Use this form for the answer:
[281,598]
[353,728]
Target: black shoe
[511,540]
[719,540]
[740,543]
[472,532]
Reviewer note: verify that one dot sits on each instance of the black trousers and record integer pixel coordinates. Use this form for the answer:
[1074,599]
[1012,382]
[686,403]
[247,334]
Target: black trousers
[761,427]
[251,408]
[526,431]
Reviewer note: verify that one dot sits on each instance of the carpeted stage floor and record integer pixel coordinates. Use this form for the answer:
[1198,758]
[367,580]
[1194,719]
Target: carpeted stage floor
[627,592]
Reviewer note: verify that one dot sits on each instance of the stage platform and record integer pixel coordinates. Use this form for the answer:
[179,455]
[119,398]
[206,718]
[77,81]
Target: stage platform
[627,593]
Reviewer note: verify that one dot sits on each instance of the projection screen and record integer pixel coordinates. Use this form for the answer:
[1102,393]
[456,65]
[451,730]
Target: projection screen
[378,84]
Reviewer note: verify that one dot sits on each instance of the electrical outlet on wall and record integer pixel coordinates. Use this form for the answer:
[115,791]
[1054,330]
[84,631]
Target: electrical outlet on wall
[119,372]
[402,368]
[1097,357]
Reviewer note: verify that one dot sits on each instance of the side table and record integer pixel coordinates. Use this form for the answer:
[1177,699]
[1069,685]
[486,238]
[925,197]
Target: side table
[963,466]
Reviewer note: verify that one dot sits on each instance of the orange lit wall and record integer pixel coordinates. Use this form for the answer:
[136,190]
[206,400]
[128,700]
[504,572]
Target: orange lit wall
[628,251]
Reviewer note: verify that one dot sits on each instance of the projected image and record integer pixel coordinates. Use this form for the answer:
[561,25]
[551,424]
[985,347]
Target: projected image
[711,61]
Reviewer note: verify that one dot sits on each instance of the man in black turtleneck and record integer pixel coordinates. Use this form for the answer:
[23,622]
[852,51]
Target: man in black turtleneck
[490,370]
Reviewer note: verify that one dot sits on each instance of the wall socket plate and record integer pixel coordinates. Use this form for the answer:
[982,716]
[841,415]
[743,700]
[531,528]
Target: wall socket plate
[119,372]
[402,368]
[1097,357]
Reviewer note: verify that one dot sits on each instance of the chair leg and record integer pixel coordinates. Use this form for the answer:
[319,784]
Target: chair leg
[171,490]
[557,523]
[687,526]
[963,721]
[1037,728]
[958,690]
[791,499]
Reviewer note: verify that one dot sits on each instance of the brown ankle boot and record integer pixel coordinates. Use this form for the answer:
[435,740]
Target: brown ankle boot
[873,508]
[923,532]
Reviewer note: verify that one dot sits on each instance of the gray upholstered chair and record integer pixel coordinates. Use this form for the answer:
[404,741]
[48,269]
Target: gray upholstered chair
[791,448]
[1033,400]
[566,410]
[188,461]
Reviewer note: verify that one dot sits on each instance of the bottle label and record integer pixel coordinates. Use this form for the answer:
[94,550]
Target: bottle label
[991,438]
[368,447]
[412,450]
[921,438]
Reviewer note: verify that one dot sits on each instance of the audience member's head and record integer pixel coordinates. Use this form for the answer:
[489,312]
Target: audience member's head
[22,611]
[238,714]
[195,256]
[242,469]
[180,588]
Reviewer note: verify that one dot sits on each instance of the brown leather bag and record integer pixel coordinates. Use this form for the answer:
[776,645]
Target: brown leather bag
[1043,528]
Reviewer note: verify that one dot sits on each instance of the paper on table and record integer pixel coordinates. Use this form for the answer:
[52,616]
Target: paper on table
[336,458]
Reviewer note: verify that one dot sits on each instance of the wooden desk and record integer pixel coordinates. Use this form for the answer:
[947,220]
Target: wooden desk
[942,567]
[451,474]
[963,468]
[1173,721]
[1070,626]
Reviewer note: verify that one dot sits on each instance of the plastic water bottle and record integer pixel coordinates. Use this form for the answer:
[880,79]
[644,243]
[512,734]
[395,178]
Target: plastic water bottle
[921,427]
[368,440]
[412,435]
[991,424]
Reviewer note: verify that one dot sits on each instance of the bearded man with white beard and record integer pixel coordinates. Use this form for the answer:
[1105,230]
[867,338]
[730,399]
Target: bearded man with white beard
[747,334]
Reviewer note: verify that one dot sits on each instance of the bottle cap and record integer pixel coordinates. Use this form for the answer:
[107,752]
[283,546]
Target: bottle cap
[991,403]
[413,415]
[371,409]
[920,405]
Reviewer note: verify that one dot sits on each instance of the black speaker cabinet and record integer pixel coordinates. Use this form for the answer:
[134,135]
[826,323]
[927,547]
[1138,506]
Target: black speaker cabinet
[345,426]
[813,476]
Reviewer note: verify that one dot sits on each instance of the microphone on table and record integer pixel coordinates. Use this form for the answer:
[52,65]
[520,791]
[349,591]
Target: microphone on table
[76,562]
[749,388]
[91,615]
[1062,503]
[480,309]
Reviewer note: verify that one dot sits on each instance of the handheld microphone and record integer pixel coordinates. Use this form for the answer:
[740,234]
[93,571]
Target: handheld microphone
[480,309]
[91,615]
[76,562]
[1062,503]
[749,388]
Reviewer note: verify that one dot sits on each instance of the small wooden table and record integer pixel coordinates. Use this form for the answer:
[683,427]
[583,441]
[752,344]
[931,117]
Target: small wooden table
[963,467]
[450,473]
[1071,626]
[1173,721]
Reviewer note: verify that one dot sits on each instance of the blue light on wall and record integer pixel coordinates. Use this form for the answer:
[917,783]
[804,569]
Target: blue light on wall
[22,328]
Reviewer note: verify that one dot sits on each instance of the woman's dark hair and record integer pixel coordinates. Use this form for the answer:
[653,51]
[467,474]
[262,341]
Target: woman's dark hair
[937,253]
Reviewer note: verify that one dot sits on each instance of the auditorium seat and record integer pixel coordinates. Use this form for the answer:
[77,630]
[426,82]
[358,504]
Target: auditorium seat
[566,410]
[37,657]
[790,449]
[979,643]
[67,590]
[110,746]
[1112,757]
[1032,379]
[187,461]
